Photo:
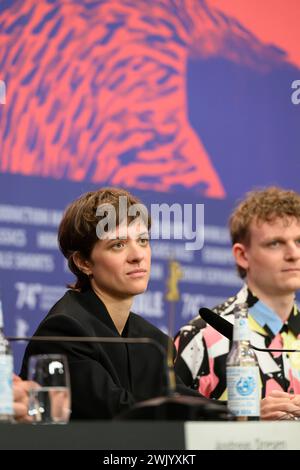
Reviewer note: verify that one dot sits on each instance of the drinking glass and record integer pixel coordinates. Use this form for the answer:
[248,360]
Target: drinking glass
[50,400]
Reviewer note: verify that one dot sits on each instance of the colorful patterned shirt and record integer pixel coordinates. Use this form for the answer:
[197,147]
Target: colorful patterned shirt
[202,351]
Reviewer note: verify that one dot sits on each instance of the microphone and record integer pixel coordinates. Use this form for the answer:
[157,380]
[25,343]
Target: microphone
[169,407]
[226,329]
[101,339]
[217,322]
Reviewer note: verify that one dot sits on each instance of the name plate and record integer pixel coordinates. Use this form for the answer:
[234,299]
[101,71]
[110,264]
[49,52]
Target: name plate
[252,435]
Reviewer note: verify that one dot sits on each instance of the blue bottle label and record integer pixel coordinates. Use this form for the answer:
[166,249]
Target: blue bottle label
[243,390]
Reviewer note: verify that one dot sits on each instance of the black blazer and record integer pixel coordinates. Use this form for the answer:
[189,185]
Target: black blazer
[106,379]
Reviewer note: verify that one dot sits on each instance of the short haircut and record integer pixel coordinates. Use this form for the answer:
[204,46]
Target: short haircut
[77,230]
[262,205]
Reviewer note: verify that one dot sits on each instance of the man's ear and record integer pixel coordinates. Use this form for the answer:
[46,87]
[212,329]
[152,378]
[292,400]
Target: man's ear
[239,252]
[82,264]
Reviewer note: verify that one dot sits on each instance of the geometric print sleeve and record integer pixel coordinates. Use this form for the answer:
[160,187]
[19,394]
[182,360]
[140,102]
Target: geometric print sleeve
[201,360]
[202,352]
[191,355]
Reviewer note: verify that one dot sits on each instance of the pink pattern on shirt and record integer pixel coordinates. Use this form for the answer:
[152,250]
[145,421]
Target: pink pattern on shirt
[276,343]
[271,385]
[211,336]
[208,383]
[294,382]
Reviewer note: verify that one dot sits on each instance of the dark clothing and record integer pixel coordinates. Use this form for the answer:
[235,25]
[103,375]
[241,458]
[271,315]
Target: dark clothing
[106,379]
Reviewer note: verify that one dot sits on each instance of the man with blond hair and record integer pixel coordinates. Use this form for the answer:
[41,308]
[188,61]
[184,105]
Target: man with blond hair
[265,234]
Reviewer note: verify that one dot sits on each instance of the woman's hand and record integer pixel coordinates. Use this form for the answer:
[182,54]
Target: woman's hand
[21,396]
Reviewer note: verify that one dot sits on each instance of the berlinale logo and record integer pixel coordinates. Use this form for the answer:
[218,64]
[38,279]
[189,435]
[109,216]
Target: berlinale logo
[295,97]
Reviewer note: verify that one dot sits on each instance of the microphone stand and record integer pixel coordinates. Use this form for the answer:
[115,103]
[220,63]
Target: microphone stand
[173,406]
[98,339]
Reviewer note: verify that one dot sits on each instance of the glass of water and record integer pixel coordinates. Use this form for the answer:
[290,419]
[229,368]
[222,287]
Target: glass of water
[50,400]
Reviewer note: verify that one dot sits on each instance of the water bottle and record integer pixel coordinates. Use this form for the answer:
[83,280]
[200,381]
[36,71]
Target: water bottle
[242,372]
[6,375]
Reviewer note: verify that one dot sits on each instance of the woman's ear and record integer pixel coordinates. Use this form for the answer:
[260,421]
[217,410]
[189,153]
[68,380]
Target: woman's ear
[239,252]
[81,263]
